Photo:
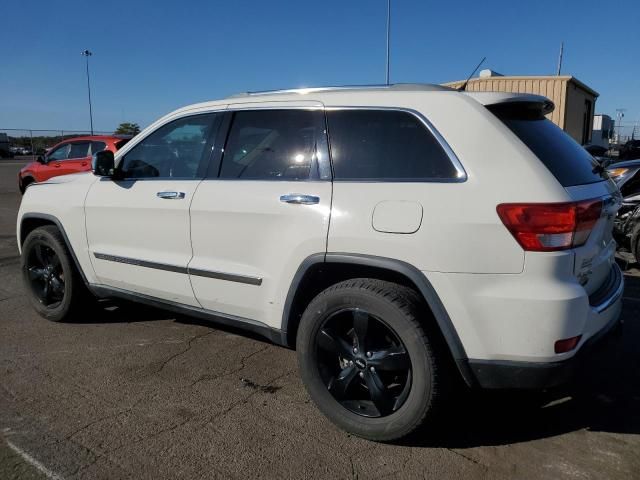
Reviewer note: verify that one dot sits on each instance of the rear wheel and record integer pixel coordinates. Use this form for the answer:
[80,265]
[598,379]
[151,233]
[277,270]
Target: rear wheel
[367,361]
[54,286]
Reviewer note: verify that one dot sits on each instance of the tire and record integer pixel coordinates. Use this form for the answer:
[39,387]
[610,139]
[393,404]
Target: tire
[25,184]
[393,311]
[66,295]
[635,243]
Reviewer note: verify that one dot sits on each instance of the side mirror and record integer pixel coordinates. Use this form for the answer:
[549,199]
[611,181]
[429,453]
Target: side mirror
[41,160]
[102,164]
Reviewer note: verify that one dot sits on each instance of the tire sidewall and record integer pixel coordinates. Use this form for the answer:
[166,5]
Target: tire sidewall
[42,236]
[419,399]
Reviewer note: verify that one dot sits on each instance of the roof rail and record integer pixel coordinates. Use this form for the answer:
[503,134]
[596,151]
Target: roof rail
[421,87]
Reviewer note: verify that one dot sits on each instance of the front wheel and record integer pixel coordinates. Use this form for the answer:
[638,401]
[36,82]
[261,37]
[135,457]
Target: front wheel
[366,360]
[53,284]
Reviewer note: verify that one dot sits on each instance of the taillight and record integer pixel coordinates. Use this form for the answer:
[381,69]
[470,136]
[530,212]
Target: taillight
[547,227]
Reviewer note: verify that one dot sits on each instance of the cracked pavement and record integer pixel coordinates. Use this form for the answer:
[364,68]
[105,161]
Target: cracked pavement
[136,392]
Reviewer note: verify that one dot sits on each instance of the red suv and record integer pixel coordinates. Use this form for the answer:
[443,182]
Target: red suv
[70,156]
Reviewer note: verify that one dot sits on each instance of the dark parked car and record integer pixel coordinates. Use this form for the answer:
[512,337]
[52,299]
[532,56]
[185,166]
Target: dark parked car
[627,224]
[630,150]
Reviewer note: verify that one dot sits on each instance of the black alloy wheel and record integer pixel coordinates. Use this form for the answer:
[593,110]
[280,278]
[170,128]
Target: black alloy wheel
[54,285]
[363,363]
[45,275]
[371,360]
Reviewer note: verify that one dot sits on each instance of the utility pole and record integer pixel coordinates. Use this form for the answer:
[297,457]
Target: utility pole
[560,58]
[388,35]
[619,117]
[87,54]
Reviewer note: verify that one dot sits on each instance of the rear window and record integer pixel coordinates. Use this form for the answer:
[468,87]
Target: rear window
[121,143]
[564,157]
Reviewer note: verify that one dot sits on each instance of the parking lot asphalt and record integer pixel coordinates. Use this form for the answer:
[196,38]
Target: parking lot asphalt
[134,392]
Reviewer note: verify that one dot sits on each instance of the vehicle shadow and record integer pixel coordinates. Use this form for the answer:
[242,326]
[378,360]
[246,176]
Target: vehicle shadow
[122,311]
[604,396]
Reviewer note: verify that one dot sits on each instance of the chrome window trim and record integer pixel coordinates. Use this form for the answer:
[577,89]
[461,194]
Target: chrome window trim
[453,158]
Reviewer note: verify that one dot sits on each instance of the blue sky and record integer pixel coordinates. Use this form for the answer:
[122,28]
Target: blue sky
[153,56]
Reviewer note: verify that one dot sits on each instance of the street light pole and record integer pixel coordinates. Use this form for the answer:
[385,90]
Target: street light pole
[87,54]
[388,35]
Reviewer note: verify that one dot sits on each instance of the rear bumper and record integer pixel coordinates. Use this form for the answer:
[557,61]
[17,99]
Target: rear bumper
[499,374]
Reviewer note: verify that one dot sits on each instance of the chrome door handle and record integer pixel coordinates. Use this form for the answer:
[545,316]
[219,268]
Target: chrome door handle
[299,199]
[171,195]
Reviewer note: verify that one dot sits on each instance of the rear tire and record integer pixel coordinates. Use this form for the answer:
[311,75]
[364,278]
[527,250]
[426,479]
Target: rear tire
[398,396]
[54,285]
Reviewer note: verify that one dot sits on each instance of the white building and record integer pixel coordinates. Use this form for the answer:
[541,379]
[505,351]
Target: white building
[603,130]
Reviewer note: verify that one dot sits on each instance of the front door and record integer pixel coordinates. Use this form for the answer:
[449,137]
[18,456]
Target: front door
[138,226]
[78,160]
[261,212]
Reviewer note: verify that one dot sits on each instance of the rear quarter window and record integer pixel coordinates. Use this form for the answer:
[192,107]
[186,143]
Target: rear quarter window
[385,145]
[562,155]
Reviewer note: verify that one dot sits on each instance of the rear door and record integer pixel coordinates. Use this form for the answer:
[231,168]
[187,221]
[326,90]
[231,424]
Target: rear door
[261,211]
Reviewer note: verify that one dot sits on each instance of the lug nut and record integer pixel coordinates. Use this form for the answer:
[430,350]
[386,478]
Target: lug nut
[350,362]
[372,369]
[369,354]
[355,350]
[361,374]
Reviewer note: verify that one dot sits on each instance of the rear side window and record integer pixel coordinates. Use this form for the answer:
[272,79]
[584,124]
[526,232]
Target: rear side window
[385,145]
[274,145]
[564,157]
[97,147]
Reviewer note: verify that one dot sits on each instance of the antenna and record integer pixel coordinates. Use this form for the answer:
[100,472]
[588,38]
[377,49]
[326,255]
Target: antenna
[462,87]
[560,58]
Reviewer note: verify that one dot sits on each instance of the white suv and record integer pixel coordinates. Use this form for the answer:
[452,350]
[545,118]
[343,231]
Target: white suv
[397,237]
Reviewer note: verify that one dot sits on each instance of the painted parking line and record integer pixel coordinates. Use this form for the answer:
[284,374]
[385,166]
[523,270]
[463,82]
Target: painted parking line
[34,463]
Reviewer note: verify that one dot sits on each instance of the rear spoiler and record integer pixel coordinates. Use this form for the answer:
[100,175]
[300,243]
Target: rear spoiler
[500,100]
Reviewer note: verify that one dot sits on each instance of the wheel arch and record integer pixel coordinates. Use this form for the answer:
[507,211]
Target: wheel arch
[25,182]
[30,221]
[319,271]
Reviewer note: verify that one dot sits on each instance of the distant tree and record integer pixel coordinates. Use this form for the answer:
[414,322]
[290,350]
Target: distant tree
[127,128]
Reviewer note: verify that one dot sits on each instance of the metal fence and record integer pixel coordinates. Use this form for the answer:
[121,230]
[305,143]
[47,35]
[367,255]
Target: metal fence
[35,142]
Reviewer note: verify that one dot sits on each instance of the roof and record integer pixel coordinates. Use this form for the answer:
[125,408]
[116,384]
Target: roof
[568,78]
[394,87]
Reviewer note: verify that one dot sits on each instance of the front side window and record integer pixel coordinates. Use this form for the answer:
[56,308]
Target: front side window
[60,153]
[79,150]
[275,145]
[175,150]
[385,145]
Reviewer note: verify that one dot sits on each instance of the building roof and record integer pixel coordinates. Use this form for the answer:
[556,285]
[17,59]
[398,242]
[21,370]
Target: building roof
[568,78]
